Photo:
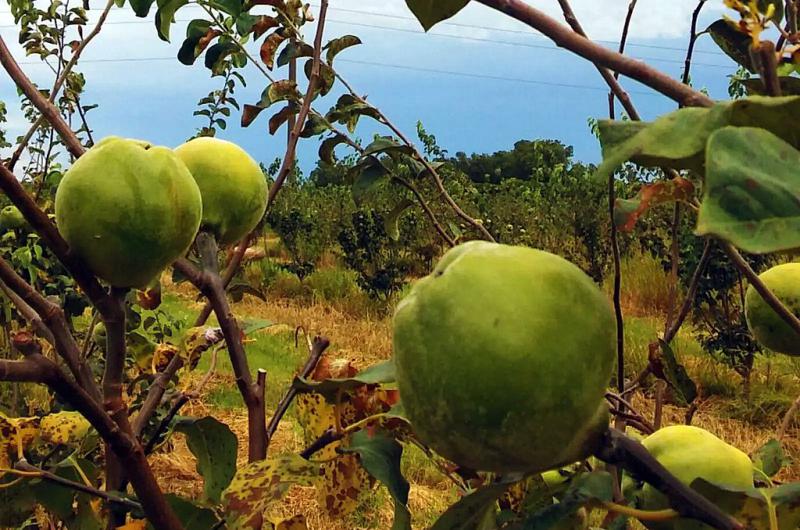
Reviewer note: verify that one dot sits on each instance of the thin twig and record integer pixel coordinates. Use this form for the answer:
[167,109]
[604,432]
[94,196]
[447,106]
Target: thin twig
[626,26]
[318,347]
[291,148]
[787,419]
[154,395]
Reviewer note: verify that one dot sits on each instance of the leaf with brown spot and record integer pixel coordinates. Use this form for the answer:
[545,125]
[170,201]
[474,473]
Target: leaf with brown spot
[64,428]
[264,24]
[259,485]
[627,212]
[282,116]
[298,522]
[270,46]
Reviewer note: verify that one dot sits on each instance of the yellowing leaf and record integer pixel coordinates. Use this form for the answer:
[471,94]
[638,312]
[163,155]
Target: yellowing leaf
[63,428]
[298,522]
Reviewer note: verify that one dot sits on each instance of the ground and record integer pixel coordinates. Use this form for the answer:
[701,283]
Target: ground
[367,339]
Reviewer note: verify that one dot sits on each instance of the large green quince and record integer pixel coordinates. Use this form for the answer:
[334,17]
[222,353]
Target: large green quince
[233,186]
[503,355]
[128,210]
[690,453]
[765,324]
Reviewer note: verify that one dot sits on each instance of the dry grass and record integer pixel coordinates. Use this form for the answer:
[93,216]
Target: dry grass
[366,340]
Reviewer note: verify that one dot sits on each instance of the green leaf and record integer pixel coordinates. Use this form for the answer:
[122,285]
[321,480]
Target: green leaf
[250,326]
[293,50]
[368,175]
[388,145]
[141,8]
[470,510]
[315,125]
[786,499]
[283,90]
[327,147]
[215,446]
[165,16]
[337,45]
[769,459]
[584,489]
[380,373]
[381,456]
[392,220]
[751,190]
[245,23]
[734,43]
[327,77]
[260,484]
[217,53]
[750,507]
[431,12]
[676,376]
[231,7]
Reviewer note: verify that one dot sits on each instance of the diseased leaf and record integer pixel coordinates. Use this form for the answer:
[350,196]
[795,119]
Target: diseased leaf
[270,46]
[293,50]
[430,12]
[335,46]
[216,54]
[327,77]
[191,516]
[282,116]
[258,485]
[380,373]
[752,190]
[628,211]
[214,446]
[327,147]
[264,24]
[734,43]
[250,113]
[315,125]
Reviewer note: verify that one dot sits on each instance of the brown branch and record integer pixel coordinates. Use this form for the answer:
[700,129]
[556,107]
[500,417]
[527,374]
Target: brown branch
[766,62]
[583,47]
[629,454]
[36,368]
[154,395]
[45,107]
[53,317]
[29,314]
[626,26]
[687,66]
[230,271]
[613,84]
[209,284]
[787,419]
[313,81]
[693,284]
[124,502]
[318,347]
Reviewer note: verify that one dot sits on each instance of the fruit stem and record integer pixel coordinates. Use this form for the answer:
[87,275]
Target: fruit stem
[642,515]
[627,453]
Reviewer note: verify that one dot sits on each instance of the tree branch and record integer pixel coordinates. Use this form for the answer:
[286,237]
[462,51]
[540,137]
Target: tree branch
[45,107]
[313,81]
[154,395]
[565,38]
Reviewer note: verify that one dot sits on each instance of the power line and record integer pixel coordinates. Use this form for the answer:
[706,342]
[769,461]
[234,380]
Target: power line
[392,66]
[457,37]
[467,26]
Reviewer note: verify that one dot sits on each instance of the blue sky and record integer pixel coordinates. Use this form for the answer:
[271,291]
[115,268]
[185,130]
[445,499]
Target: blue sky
[479,82]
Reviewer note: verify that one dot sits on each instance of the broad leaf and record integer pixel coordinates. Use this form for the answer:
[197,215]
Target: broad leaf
[790,86]
[751,190]
[369,174]
[675,374]
[381,456]
[471,509]
[584,489]
[216,54]
[327,77]
[315,125]
[141,8]
[430,12]
[387,145]
[192,516]
[165,16]
[293,50]
[755,507]
[270,46]
[392,220]
[215,446]
[628,211]
[380,373]
[769,459]
[337,45]
[259,484]
[282,116]
[327,147]
[734,43]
